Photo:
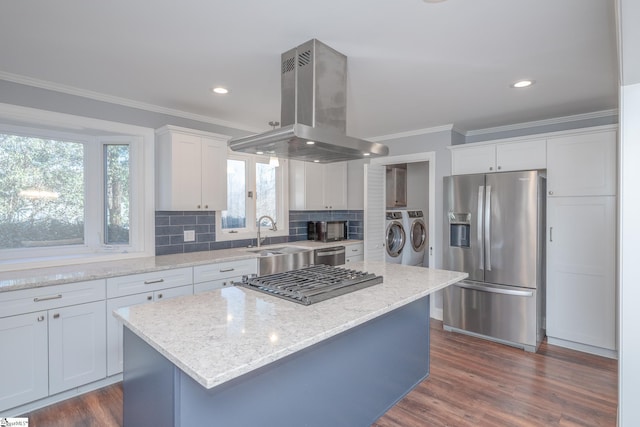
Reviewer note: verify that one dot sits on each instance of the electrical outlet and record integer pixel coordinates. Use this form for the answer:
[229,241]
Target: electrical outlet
[189,235]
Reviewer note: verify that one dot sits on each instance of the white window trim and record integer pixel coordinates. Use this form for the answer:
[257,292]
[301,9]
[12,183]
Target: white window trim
[142,204]
[250,232]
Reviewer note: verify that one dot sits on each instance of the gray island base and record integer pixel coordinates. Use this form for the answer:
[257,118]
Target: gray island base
[349,380]
[237,357]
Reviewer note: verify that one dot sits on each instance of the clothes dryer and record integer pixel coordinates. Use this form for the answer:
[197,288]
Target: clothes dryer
[396,237]
[418,232]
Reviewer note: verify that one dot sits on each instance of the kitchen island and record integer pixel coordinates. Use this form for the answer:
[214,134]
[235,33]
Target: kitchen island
[236,357]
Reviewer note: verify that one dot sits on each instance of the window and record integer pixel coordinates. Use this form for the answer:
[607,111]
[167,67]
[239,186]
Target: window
[73,192]
[254,189]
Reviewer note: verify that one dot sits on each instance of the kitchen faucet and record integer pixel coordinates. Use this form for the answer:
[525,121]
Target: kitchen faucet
[273,227]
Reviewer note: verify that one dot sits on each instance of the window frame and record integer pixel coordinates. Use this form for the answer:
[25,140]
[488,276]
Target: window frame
[94,134]
[251,230]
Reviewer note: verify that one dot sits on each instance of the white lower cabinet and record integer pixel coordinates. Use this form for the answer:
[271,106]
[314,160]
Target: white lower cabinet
[222,274]
[77,346]
[354,253]
[581,275]
[114,326]
[55,343]
[24,359]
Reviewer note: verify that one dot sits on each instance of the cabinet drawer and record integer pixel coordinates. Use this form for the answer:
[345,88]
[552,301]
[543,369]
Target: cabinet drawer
[354,258]
[223,270]
[148,282]
[354,250]
[214,284]
[48,297]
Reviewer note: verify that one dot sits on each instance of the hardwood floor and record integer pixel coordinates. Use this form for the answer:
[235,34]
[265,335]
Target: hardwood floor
[473,382]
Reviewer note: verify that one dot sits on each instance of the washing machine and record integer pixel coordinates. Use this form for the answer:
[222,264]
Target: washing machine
[416,228]
[396,237]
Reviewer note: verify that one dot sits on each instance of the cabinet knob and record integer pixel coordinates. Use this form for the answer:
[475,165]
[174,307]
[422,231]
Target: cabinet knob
[490,168]
[499,167]
[56,316]
[40,318]
[551,193]
[159,296]
[198,206]
[149,298]
[206,206]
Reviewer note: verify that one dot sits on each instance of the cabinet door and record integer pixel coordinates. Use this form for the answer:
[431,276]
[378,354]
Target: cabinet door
[314,186]
[582,165]
[581,287]
[23,358]
[214,174]
[77,346]
[479,159]
[114,329]
[215,284]
[186,172]
[335,186]
[520,156]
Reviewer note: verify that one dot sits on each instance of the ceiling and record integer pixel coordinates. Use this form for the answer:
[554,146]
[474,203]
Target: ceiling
[412,65]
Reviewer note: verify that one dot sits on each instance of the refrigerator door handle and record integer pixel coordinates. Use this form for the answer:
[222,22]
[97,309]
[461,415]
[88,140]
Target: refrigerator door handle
[487,226]
[480,196]
[485,288]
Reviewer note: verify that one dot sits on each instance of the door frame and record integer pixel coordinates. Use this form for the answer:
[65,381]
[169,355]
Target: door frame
[430,158]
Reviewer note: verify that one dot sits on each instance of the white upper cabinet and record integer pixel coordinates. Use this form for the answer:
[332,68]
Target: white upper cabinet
[314,186]
[582,165]
[190,170]
[498,157]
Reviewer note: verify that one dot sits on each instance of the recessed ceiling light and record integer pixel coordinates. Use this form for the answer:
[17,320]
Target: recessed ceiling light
[310,142]
[220,90]
[367,154]
[316,161]
[259,152]
[522,83]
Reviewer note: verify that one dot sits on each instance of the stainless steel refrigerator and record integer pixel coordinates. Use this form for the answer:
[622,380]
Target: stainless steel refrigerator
[494,230]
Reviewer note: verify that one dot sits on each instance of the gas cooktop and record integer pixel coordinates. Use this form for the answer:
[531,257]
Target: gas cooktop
[312,284]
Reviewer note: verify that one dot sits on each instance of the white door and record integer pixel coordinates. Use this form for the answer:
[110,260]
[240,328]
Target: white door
[335,186]
[186,183]
[374,219]
[214,174]
[77,346]
[314,186]
[581,282]
[23,359]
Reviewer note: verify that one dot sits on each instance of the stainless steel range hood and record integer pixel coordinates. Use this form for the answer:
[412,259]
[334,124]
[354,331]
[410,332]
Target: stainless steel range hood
[313,111]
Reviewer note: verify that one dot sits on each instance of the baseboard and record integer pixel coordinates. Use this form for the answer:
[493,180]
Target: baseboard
[74,392]
[598,351]
[436,313]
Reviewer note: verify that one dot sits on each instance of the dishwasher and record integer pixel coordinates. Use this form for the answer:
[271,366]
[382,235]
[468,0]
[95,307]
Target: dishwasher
[335,255]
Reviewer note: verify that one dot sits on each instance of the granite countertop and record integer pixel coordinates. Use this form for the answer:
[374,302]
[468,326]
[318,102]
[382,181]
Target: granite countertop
[57,275]
[220,335]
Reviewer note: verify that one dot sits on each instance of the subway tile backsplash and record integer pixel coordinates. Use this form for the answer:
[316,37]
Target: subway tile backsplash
[171,225]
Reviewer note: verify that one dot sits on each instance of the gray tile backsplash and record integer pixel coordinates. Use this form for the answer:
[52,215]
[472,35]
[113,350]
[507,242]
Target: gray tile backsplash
[171,225]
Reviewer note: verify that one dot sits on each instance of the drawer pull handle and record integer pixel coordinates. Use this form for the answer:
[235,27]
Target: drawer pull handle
[227,270]
[40,299]
[354,250]
[56,316]
[150,282]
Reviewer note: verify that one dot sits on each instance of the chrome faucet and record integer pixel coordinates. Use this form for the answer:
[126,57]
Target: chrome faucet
[273,227]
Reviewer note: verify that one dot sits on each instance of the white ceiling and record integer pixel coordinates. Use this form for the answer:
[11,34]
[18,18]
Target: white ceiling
[412,65]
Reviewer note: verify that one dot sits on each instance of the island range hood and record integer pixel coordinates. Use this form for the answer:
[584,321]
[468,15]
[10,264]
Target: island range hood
[313,111]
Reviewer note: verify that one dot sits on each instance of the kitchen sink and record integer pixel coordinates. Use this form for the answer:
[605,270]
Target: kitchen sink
[284,258]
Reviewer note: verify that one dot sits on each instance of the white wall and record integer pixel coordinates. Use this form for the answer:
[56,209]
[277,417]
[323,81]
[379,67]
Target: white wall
[629,293]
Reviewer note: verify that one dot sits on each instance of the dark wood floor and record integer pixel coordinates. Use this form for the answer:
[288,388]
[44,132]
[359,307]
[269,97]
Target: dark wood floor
[473,382]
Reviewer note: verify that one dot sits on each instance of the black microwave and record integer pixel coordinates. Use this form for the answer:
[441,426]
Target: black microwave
[327,231]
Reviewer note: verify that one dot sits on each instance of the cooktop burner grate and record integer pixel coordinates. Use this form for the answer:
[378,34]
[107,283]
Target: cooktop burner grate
[312,284]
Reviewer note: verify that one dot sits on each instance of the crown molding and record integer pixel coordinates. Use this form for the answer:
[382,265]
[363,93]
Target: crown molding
[415,132]
[97,96]
[548,122]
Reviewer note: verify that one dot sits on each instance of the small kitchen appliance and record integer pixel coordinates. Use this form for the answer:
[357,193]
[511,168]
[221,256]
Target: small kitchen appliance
[327,231]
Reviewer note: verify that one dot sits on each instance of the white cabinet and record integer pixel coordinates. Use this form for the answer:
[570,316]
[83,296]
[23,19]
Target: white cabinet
[25,372]
[222,274]
[498,157]
[77,346]
[191,171]
[53,340]
[354,252]
[114,327]
[126,291]
[314,186]
[582,165]
[581,279]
